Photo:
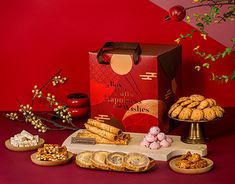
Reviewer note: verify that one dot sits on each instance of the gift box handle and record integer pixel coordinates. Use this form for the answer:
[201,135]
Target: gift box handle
[119,45]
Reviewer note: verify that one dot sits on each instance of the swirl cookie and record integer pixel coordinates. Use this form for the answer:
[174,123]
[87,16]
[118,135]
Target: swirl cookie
[203,104]
[197,115]
[185,113]
[209,114]
[136,162]
[176,112]
[197,97]
[115,161]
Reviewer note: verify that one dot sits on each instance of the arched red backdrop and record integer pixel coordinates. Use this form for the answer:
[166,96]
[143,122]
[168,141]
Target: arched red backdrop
[39,37]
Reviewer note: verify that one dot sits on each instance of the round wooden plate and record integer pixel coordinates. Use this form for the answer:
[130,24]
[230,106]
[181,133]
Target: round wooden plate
[13,148]
[191,171]
[50,163]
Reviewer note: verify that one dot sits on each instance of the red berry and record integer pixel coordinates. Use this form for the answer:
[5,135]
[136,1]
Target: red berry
[177,13]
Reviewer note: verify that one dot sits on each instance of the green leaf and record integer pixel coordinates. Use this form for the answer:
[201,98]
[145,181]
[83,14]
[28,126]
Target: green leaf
[233,75]
[201,25]
[206,19]
[216,10]
[233,39]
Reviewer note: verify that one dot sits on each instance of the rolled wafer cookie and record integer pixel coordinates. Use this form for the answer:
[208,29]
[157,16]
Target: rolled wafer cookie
[104,126]
[101,140]
[103,133]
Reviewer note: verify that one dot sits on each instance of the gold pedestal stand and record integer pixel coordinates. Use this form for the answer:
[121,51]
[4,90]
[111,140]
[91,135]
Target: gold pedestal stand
[196,134]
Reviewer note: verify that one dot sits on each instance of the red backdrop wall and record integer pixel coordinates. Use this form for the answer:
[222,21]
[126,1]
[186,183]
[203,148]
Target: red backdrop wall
[39,37]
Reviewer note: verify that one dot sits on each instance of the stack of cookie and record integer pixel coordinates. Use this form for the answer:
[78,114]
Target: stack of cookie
[196,108]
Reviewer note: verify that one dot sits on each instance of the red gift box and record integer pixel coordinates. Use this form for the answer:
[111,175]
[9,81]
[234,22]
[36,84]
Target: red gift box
[132,86]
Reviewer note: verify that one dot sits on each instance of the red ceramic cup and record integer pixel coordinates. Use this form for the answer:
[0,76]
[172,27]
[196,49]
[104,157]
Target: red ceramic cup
[77,100]
[79,112]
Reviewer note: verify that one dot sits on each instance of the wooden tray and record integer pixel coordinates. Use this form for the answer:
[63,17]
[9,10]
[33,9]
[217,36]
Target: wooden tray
[13,148]
[177,147]
[151,166]
[51,163]
[191,171]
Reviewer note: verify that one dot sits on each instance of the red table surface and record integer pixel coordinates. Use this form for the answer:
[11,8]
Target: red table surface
[17,168]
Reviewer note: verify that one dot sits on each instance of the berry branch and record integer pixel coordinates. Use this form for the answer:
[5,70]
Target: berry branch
[178,13]
[39,122]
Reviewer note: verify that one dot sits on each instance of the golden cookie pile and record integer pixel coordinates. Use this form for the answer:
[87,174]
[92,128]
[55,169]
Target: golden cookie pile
[116,161]
[191,161]
[196,108]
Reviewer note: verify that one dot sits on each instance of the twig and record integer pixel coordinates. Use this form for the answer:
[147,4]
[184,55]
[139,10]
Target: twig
[46,84]
[210,4]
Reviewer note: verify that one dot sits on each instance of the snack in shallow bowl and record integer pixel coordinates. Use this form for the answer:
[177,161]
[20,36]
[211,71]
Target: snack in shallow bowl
[191,164]
[51,155]
[196,108]
[24,141]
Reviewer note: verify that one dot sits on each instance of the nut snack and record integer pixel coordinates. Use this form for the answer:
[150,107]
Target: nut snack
[191,161]
[196,108]
[52,152]
[103,133]
[115,161]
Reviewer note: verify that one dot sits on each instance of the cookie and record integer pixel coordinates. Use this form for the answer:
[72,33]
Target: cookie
[186,102]
[197,115]
[182,99]
[203,104]
[211,102]
[193,104]
[176,112]
[173,107]
[185,113]
[209,114]
[219,113]
[197,97]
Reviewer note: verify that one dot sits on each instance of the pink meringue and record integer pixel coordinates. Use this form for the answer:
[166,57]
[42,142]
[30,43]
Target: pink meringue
[161,136]
[164,143]
[150,138]
[168,139]
[155,145]
[154,130]
[145,143]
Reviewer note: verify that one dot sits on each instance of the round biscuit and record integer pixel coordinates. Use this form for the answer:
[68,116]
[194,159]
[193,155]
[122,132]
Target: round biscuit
[185,113]
[203,104]
[182,99]
[209,114]
[197,97]
[197,115]
[176,112]
[186,102]
[173,107]
[193,104]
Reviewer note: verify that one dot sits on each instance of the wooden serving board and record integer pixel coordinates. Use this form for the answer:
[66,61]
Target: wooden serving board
[163,154]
